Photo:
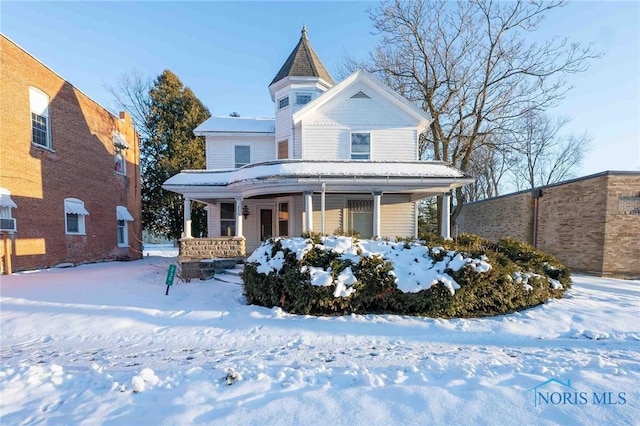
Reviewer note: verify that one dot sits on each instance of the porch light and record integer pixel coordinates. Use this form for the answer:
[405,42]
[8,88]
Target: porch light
[245,212]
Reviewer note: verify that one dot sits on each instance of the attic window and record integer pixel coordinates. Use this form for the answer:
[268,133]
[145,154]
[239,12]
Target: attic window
[303,98]
[360,95]
[284,102]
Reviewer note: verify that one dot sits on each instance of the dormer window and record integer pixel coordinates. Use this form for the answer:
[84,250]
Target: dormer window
[303,98]
[283,102]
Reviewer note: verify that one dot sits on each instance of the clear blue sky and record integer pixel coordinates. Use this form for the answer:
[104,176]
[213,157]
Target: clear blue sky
[228,53]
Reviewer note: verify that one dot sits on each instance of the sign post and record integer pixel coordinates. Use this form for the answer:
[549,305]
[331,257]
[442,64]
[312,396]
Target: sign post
[171,274]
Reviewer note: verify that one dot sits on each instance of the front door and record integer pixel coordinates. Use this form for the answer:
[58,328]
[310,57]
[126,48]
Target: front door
[266,224]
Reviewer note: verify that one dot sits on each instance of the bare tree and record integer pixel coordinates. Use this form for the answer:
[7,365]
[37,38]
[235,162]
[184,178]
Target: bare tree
[131,94]
[473,67]
[544,155]
[489,165]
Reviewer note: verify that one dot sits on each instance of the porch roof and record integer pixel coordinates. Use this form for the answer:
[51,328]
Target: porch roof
[294,176]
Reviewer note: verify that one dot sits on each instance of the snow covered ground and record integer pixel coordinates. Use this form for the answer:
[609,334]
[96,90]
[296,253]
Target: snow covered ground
[102,344]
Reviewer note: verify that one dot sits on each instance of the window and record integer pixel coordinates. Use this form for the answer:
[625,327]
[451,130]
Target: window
[360,218]
[122,217]
[74,216]
[283,219]
[283,149]
[284,102]
[120,144]
[6,204]
[227,219]
[39,105]
[123,239]
[303,98]
[7,223]
[360,146]
[242,155]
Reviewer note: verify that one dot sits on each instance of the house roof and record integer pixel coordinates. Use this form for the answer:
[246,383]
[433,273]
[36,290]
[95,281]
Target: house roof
[361,76]
[294,176]
[236,125]
[303,62]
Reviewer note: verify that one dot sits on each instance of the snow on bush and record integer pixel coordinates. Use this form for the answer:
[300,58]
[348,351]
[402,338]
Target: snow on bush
[339,275]
[415,267]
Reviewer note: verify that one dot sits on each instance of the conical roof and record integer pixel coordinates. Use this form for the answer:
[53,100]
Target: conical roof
[303,62]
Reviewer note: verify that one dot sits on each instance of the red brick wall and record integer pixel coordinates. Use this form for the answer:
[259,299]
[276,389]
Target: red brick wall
[591,224]
[79,165]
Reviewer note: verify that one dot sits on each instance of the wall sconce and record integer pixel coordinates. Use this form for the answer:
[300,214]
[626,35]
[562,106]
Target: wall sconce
[245,212]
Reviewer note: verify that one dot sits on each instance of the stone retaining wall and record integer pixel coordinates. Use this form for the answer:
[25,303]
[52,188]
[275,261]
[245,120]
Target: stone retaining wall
[210,248]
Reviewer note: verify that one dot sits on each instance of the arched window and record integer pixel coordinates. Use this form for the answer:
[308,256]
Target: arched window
[40,124]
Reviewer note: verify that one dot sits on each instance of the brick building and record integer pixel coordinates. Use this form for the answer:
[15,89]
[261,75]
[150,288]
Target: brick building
[592,224]
[69,170]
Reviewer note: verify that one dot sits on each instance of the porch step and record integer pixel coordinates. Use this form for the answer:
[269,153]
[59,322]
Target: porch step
[237,271]
[233,275]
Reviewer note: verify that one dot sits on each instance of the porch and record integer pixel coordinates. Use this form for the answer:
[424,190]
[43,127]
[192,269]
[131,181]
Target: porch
[289,197]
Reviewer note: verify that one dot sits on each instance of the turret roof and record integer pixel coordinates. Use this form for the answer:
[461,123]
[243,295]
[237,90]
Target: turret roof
[303,62]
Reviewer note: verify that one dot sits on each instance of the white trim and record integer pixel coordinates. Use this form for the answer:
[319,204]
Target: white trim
[304,93]
[370,133]
[250,145]
[74,206]
[280,101]
[39,103]
[290,224]
[376,86]
[125,233]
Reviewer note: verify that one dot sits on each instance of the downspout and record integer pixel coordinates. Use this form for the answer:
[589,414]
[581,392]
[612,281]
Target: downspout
[536,194]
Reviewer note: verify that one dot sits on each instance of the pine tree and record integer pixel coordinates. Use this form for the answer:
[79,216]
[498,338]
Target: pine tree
[169,148]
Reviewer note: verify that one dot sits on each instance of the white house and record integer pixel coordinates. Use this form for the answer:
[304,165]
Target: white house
[336,158]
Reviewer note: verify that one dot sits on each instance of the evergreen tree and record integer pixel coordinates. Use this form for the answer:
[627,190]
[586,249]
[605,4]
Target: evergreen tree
[170,147]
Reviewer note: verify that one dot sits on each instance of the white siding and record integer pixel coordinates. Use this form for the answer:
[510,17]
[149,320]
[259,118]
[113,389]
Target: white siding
[283,122]
[392,144]
[397,216]
[325,143]
[334,205]
[297,142]
[326,132]
[220,149]
[213,220]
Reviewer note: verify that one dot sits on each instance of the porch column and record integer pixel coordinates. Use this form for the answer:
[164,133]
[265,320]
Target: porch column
[322,209]
[187,218]
[376,214]
[308,212]
[445,228]
[239,217]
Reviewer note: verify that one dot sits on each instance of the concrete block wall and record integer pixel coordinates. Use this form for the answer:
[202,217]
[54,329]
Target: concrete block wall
[591,224]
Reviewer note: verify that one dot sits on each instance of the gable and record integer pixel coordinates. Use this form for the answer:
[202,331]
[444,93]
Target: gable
[359,107]
[357,92]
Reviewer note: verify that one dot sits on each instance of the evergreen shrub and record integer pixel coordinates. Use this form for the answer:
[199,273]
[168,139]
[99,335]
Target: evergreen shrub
[520,277]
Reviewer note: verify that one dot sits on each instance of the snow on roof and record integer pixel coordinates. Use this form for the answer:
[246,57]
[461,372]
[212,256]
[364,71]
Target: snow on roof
[317,168]
[236,125]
